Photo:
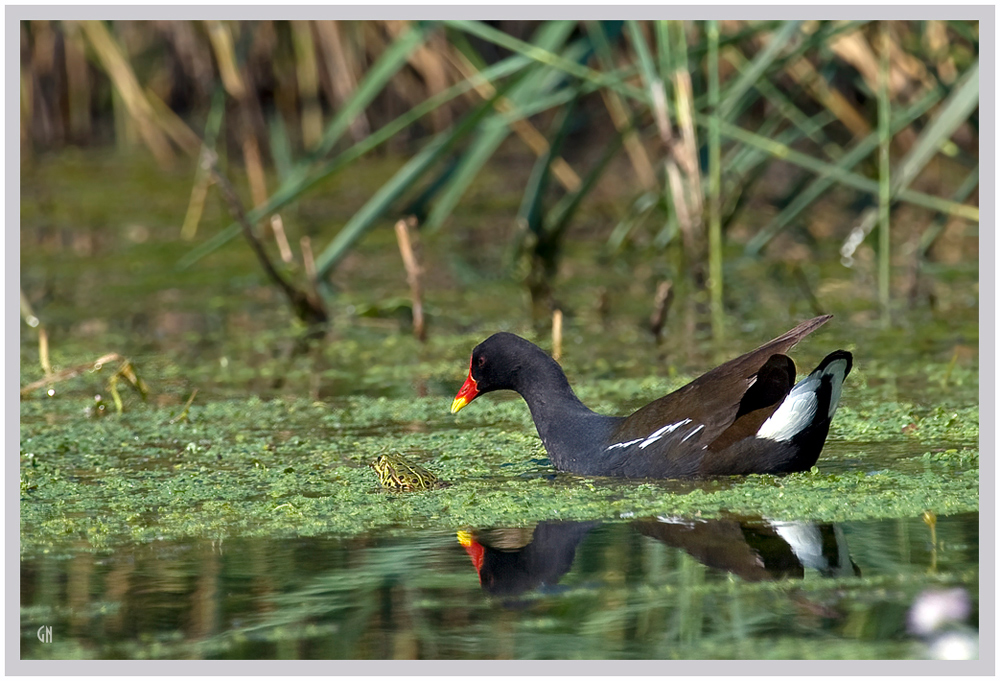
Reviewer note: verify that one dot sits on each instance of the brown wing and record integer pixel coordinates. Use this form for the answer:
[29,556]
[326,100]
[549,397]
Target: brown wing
[713,399]
[774,380]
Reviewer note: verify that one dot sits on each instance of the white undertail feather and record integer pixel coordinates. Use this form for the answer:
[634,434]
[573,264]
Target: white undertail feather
[837,369]
[794,414]
[798,410]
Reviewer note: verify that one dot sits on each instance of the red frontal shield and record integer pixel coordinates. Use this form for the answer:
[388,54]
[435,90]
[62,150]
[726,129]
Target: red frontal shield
[466,394]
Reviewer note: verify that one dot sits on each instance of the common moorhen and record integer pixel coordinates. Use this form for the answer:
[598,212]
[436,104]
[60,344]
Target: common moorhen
[745,416]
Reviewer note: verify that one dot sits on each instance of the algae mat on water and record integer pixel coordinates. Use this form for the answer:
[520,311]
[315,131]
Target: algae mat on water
[291,467]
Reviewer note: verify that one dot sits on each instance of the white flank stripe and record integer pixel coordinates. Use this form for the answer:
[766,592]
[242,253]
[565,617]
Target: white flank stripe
[688,436]
[653,437]
[623,444]
[794,413]
[665,430]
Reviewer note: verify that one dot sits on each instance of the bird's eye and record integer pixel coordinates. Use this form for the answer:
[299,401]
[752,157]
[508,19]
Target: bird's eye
[482,360]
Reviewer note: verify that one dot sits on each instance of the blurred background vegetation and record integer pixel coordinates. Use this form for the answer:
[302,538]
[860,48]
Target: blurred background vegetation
[838,158]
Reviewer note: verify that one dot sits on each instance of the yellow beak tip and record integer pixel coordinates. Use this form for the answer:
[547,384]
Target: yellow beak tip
[458,404]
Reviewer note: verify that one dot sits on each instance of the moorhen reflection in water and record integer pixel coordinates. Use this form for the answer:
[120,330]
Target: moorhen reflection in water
[753,549]
[507,571]
[759,550]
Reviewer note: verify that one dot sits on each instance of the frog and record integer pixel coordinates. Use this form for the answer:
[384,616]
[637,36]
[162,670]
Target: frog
[397,474]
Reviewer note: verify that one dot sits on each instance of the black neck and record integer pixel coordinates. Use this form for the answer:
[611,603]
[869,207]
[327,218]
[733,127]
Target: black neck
[568,429]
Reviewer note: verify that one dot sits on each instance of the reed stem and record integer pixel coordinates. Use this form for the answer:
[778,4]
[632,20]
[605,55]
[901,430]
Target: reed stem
[714,186]
[412,275]
[884,193]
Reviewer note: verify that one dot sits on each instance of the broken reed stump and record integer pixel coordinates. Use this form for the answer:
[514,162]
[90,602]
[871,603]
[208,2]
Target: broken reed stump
[29,317]
[661,305]
[557,319]
[412,274]
[309,262]
[280,238]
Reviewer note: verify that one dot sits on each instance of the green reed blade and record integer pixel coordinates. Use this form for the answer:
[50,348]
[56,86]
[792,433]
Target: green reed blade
[638,41]
[494,129]
[548,58]
[787,108]
[373,209]
[302,179]
[388,64]
[955,110]
[281,146]
[558,218]
[821,184]
[756,69]
[927,239]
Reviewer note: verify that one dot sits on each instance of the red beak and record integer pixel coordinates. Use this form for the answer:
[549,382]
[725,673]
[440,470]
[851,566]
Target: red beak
[467,393]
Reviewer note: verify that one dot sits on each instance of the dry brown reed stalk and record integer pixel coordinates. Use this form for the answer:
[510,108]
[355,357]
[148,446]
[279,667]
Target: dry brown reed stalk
[806,75]
[183,416]
[428,61]
[535,140]
[309,264]
[72,372]
[27,99]
[307,79]
[409,91]
[904,62]
[557,334]
[413,271]
[280,238]
[661,306]
[342,73]
[77,82]
[43,351]
[683,171]
[127,86]
[907,76]
[254,164]
[196,205]
[633,145]
[234,82]
[855,50]
[222,47]
[937,43]
[47,123]
[194,55]
[174,126]
[43,336]
[43,55]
